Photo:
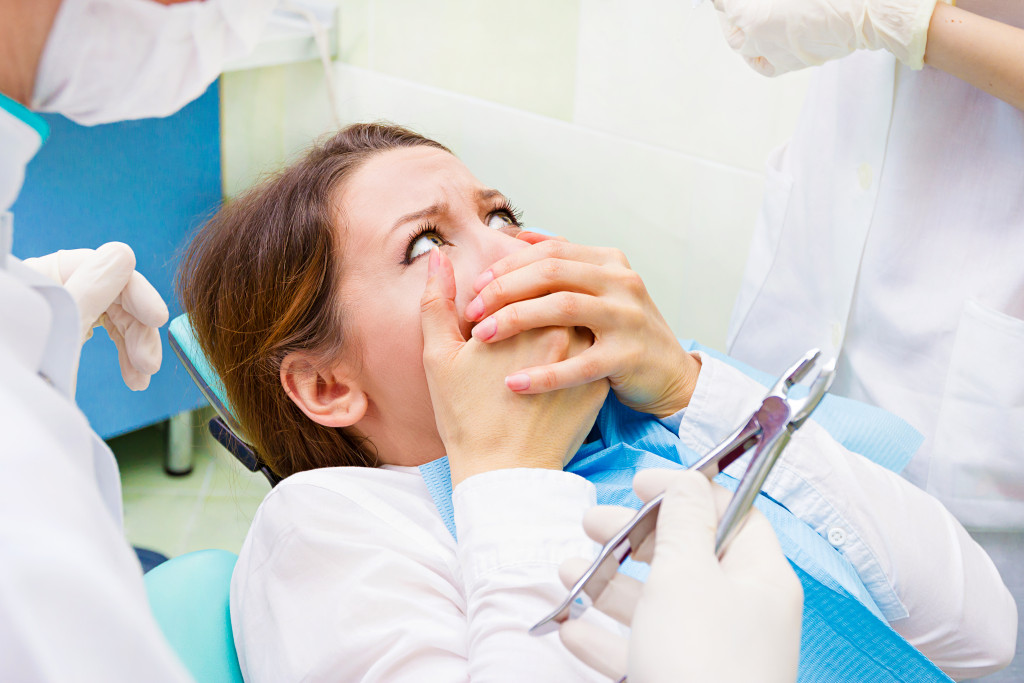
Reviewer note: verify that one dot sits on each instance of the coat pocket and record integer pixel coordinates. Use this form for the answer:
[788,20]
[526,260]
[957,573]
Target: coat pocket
[977,466]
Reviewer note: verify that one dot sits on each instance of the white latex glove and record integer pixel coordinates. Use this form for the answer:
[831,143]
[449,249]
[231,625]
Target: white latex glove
[697,618]
[776,36]
[110,292]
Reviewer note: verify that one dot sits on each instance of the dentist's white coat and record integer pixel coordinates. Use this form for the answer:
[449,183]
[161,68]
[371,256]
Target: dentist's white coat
[73,606]
[72,603]
[892,229]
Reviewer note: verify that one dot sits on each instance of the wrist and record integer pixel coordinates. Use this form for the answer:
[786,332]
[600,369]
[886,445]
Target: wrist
[901,28]
[467,463]
[682,387]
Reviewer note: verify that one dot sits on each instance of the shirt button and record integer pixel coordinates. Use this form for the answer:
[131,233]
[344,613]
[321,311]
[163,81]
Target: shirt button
[864,176]
[836,536]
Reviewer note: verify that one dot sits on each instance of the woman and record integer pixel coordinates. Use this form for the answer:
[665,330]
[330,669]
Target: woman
[308,296]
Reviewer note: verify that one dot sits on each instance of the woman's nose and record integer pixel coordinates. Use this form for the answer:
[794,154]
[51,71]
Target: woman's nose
[490,248]
[497,244]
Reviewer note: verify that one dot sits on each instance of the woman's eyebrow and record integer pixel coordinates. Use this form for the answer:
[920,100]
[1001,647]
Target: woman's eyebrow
[439,209]
[432,210]
[484,195]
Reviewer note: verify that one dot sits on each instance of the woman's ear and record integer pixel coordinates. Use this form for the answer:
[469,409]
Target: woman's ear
[331,397]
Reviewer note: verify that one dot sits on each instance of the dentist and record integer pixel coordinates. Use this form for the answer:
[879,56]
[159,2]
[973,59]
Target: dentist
[891,234]
[72,601]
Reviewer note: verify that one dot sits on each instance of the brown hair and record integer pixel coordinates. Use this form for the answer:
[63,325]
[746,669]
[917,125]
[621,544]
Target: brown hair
[261,280]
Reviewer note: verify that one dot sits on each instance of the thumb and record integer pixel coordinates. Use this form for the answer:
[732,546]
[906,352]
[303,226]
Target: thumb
[438,316]
[687,523]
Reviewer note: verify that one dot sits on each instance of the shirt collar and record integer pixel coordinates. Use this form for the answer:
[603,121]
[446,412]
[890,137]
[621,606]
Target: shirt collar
[21,134]
[23,114]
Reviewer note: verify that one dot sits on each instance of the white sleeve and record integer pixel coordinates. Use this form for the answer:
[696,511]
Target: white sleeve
[934,584]
[341,583]
[73,605]
[515,527]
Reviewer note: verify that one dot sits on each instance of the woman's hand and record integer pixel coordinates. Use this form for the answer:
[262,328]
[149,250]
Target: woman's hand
[555,282]
[484,426]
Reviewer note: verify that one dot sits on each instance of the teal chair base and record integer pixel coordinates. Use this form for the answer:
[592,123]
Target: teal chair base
[190,597]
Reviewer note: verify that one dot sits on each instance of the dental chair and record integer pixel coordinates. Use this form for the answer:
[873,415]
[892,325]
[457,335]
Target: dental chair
[224,427]
[190,594]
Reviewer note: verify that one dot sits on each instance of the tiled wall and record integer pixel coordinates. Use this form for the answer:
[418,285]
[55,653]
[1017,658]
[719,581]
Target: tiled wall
[617,122]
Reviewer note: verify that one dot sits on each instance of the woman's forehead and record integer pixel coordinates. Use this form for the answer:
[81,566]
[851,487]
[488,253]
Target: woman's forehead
[405,180]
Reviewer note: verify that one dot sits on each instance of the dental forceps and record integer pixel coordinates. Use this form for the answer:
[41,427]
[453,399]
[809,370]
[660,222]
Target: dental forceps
[767,432]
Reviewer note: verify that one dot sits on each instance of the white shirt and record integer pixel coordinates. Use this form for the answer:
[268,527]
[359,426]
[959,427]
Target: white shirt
[892,229]
[350,574]
[73,606]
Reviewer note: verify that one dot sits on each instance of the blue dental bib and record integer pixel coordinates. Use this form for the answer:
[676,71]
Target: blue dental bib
[844,637]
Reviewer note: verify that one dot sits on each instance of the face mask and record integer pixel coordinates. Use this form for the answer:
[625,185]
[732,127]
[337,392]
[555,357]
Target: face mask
[113,60]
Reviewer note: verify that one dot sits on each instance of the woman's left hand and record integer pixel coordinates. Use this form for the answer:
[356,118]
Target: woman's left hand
[558,283]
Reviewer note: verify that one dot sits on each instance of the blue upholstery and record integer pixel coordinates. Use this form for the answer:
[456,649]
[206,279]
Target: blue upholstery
[147,183]
[225,427]
[183,341]
[189,596]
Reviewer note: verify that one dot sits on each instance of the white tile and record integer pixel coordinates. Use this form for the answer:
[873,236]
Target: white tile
[683,222]
[355,18]
[660,71]
[516,52]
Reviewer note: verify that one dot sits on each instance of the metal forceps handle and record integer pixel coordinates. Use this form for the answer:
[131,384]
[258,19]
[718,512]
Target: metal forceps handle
[767,431]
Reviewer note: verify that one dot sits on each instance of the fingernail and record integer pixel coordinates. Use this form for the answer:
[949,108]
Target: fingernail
[518,382]
[482,280]
[475,309]
[434,261]
[486,329]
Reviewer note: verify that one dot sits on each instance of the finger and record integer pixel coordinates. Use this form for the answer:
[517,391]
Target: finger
[97,282]
[141,299]
[438,316]
[604,521]
[572,569]
[535,280]
[142,344]
[561,309]
[550,249]
[596,647]
[687,524]
[650,482]
[761,66]
[755,550]
[135,380]
[734,35]
[610,591]
[534,237]
[587,367]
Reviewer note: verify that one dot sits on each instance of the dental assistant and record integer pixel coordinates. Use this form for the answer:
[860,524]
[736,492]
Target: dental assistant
[892,234]
[72,601]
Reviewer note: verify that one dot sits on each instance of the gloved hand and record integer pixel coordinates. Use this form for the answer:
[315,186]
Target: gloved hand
[110,292]
[776,36]
[697,618]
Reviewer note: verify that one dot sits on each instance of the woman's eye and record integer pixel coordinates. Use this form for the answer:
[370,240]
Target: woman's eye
[422,244]
[499,220]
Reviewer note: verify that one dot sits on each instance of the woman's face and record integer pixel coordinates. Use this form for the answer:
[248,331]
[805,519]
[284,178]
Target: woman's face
[395,208]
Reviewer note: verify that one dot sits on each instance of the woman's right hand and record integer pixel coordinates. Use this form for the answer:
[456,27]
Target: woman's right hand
[484,426]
